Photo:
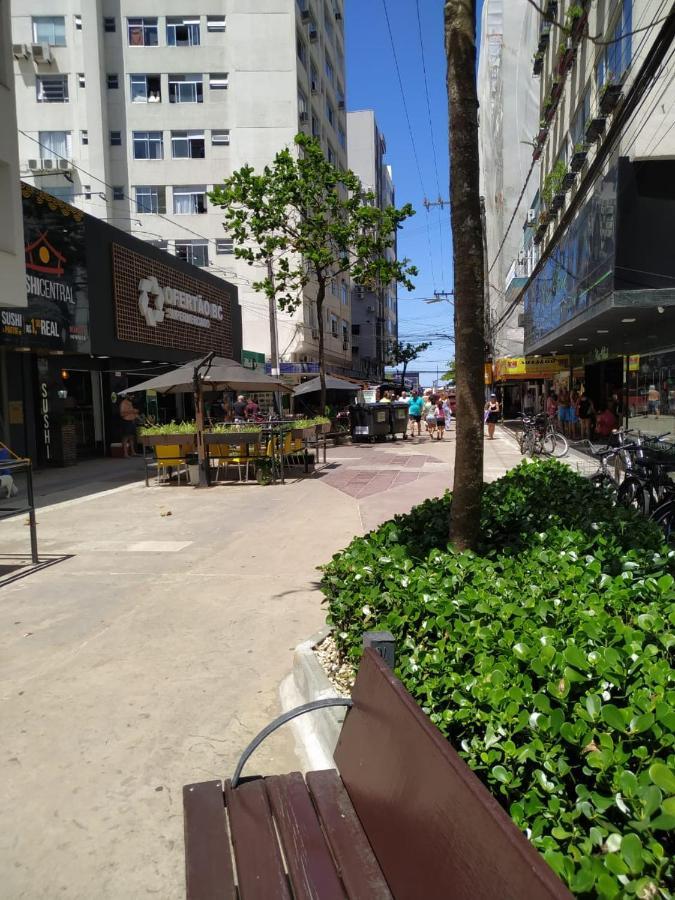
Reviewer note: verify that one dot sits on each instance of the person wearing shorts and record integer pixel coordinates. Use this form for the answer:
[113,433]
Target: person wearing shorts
[440,420]
[653,398]
[415,409]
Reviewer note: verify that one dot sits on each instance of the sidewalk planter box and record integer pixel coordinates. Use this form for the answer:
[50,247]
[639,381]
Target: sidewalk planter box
[231,438]
[186,441]
[610,96]
[578,158]
[578,25]
[323,428]
[566,60]
[594,128]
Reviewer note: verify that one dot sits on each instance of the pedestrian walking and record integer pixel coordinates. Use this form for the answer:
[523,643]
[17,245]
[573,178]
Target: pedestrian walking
[440,419]
[653,401]
[492,415]
[430,415]
[415,411]
[130,418]
[585,411]
[447,409]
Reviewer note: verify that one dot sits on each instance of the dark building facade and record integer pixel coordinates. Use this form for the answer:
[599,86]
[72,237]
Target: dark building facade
[105,311]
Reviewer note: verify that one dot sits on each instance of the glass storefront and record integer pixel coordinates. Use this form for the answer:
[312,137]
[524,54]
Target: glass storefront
[651,392]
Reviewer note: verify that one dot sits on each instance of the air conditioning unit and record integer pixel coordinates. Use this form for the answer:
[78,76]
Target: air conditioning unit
[20,51]
[304,117]
[304,15]
[42,53]
[47,164]
[65,165]
[341,104]
[313,33]
[33,164]
[531,217]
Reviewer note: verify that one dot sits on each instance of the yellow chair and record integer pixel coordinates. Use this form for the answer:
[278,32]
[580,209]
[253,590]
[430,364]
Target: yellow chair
[168,457]
[234,456]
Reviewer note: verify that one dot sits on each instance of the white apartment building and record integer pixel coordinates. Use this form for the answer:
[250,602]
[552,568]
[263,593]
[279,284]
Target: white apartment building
[374,313]
[133,110]
[12,269]
[508,113]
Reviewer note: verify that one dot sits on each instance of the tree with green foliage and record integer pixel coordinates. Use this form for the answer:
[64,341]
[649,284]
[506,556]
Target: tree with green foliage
[403,354]
[309,222]
[451,372]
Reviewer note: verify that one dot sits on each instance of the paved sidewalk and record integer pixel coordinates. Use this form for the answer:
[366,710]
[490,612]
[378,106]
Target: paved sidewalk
[150,656]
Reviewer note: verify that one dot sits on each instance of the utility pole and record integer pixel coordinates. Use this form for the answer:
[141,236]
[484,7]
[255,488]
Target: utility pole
[460,50]
[274,334]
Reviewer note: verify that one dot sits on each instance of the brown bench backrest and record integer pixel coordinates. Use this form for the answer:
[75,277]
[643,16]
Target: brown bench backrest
[435,829]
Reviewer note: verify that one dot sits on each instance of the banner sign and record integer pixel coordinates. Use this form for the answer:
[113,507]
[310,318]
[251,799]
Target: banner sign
[633,363]
[530,367]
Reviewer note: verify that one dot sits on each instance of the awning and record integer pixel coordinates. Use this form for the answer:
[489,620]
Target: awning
[222,375]
[333,383]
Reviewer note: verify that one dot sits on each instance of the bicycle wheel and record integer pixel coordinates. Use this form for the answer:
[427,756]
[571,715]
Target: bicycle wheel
[554,444]
[604,482]
[664,516]
[524,441]
[633,494]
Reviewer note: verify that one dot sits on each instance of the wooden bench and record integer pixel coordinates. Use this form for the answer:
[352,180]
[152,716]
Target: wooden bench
[405,818]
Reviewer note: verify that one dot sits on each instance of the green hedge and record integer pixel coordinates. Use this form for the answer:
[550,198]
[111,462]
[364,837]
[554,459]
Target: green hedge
[545,658]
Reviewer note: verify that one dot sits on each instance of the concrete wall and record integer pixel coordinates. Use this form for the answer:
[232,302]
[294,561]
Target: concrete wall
[12,269]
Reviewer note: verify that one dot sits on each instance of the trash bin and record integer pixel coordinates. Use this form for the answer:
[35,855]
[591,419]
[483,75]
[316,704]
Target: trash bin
[398,417]
[192,461]
[359,423]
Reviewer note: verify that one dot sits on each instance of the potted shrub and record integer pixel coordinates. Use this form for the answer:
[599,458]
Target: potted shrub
[557,202]
[552,186]
[568,180]
[575,21]
[610,94]
[594,128]
[264,470]
[182,433]
[579,156]
[566,54]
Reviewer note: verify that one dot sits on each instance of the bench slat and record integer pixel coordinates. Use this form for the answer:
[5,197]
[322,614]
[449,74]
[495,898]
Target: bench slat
[435,829]
[260,869]
[208,864]
[310,864]
[360,871]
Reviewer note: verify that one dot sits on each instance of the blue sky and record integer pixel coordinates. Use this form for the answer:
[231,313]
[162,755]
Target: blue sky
[372,83]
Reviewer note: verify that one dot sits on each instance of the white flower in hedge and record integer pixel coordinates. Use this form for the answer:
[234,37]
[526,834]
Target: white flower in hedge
[366,611]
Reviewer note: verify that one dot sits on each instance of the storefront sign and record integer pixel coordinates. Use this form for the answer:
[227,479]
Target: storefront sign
[530,367]
[57,316]
[252,360]
[156,303]
[46,428]
[633,363]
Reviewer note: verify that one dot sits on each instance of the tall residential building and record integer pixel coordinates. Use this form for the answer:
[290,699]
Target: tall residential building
[603,292]
[374,312]
[12,269]
[134,115]
[508,115]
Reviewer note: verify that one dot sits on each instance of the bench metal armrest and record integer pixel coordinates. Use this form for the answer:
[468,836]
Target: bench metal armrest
[281,720]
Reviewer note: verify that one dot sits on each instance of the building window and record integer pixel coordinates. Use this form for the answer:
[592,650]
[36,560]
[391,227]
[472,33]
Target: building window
[344,293]
[148,145]
[187,144]
[219,82]
[329,70]
[146,88]
[330,155]
[50,30]
[581,118]
[195,252]
[189,199]
[328,22]
[330,113]
[215,23]
[314,79]
[220,138]
[316,129]
[301,50]
[224,245]
[186,89]
[302,107]
[55,144]
[616,57]
[182,31]
[150,198]
[78,23]
[118,192]
[84,138]
[65,192]
[142,32]
[342,137]
[109,25]
[52,88]
[333,325]
[115,138]
[345,331]
[113,82]
[86,188]
[80,79]
[160,245]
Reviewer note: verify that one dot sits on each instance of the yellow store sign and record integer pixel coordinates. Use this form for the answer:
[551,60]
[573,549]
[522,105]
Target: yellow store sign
[522,367]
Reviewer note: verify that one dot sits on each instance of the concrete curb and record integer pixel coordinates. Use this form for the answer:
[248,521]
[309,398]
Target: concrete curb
[315,733]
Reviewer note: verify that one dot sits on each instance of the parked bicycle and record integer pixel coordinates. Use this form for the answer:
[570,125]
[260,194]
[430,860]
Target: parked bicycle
[647,483]
[539,437]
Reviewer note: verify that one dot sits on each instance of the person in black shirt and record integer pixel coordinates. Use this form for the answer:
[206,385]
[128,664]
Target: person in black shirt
[240,409]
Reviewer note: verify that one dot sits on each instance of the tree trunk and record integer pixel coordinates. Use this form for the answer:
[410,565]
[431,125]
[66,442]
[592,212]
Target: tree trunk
[320,296]
[460,48]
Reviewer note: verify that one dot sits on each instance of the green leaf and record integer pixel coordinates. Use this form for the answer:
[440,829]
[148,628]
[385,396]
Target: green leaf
[638,724]
[663,776]
[614,717]
[593,705]
[501,774]
[631,852]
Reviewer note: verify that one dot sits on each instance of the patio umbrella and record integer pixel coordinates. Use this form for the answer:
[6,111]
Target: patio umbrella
[333,383]
[221,375]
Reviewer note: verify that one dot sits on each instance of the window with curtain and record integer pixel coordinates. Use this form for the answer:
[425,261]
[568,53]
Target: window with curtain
[150,198]
[189,199]
[142,32]
[187,144]
[50,30]
[182,31]
[146,88]
[194,252]
[54,144]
